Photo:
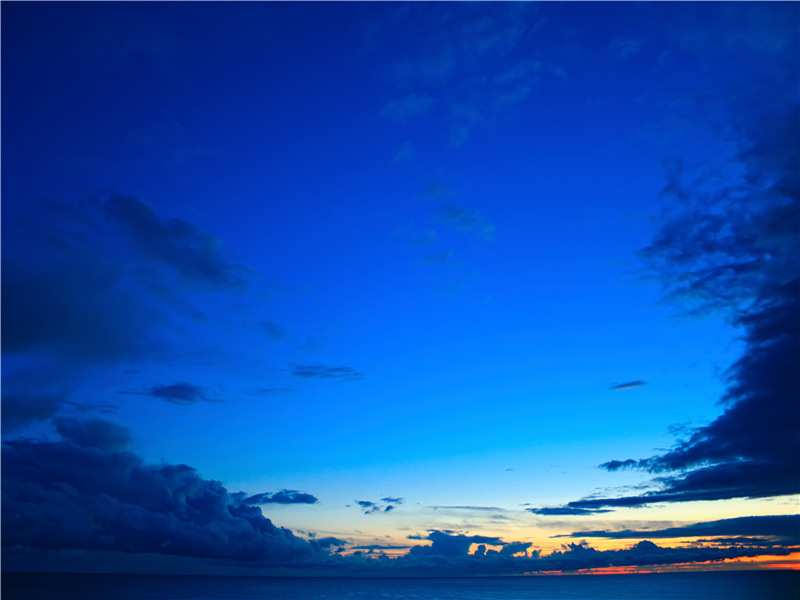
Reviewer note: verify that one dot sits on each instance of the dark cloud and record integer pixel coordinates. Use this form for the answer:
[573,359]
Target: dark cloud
[22,409]
[96,433]
[565,510]
[83,493]
[373,547]
[466,220]
[192,253]
[383,505]
[730,246]
[327,542]
[785,528]
[451,544]
[89,285]
[326,372]
[180,393]
[281,497]
[628,385]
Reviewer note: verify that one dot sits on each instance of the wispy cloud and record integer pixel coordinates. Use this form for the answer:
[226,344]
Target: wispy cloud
[180,393]
[466,220]
[628,385]
[326,372]
[407,107]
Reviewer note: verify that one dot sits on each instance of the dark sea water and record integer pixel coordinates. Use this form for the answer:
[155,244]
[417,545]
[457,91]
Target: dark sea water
[739,585]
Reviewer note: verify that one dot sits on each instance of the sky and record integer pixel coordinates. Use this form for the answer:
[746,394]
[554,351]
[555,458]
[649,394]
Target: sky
[400,288]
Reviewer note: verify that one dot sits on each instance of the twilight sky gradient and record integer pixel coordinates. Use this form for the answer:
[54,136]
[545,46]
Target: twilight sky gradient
[388,288]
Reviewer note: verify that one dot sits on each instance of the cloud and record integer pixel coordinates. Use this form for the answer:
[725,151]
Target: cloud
[281,497]
[465,220]
[271,329]
[404,154]
[629,385]
[729,247]
[85,493]
[326,372]
[89,285]
[785,528]
[437,258]
[405,108]
[192,253]
[565,510]
[179,393]
[96,433]
[384,505]
[624,48]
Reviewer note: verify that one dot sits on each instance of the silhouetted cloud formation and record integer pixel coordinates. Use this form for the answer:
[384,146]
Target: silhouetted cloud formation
[85,493]
[281,497]
[383,505]
[733,249]
[325,372]
[565,510]
[785,528]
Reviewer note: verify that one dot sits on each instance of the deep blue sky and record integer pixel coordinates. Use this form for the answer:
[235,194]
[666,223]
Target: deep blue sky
[395,275]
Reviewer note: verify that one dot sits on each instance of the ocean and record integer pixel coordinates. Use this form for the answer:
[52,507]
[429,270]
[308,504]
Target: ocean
[728,585]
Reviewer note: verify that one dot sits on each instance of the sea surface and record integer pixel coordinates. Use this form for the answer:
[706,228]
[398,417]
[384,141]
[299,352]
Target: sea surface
[729,585]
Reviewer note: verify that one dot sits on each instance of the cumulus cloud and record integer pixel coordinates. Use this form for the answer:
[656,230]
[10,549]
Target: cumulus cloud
[85,492]
[326,372]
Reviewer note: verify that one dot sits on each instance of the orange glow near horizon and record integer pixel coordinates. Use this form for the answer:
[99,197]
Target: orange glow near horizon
[764,562]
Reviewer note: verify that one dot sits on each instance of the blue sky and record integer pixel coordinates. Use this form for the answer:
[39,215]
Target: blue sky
[345,281]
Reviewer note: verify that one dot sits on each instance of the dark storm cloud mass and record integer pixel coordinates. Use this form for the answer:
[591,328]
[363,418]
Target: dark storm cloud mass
[785,528]
[281,497]
[85,493]
[326,372]
[91,284]
[730,245]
